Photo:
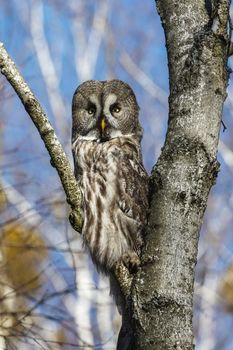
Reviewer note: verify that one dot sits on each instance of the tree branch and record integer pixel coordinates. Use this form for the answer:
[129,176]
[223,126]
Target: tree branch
[58,157]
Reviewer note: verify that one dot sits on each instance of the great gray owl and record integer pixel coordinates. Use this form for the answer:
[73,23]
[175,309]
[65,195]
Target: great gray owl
[106,137]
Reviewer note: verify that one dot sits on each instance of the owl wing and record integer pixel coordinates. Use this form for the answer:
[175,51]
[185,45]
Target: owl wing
[134,189]
[133,194]
[77,168]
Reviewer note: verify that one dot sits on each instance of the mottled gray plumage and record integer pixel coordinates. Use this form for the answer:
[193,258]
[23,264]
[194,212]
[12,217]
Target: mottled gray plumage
[106,138]
[109,168]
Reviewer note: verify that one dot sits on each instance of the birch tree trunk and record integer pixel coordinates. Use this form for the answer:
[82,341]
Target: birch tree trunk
[197,44]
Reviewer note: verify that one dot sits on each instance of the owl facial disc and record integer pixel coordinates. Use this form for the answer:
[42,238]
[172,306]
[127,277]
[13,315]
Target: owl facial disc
[104,110]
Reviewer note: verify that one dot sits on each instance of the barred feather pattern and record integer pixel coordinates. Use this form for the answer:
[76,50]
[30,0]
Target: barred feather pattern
[114,185]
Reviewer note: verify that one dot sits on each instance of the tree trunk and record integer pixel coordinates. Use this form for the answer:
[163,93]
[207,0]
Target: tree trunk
[162,292]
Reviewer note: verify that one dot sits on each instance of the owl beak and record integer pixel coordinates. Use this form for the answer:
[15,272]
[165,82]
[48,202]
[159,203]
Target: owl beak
[103,128]
[103,124]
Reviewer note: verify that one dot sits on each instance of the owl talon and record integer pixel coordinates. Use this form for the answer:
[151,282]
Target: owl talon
[131,261]
[150,259]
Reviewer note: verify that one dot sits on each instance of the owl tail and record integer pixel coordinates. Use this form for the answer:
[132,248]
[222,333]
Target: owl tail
[125,338]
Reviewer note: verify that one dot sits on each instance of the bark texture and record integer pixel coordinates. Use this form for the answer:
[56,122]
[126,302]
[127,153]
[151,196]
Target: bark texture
[162,292]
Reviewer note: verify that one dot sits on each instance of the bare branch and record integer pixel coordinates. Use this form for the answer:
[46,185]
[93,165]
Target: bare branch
[46,64]
[87,50]
[61,163]
[142,79]
[59,159]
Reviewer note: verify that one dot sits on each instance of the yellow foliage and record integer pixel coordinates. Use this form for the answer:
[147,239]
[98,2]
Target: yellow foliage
[23,252]
[3,199]
[226,289]
[61,337]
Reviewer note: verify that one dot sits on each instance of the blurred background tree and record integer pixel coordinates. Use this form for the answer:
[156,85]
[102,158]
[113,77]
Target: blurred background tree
[51,296]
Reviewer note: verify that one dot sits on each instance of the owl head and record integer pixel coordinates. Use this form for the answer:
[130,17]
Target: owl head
[103,110]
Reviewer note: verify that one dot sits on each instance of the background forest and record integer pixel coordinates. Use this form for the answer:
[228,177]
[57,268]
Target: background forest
[51,296]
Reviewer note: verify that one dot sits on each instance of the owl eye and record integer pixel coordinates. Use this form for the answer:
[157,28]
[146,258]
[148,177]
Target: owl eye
[91,110]
[115,108]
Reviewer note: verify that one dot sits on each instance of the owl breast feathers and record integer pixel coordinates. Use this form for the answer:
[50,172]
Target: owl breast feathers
[106,139]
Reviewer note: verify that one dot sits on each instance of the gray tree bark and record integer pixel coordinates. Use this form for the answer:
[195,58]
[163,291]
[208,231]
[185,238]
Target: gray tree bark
[162,292]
